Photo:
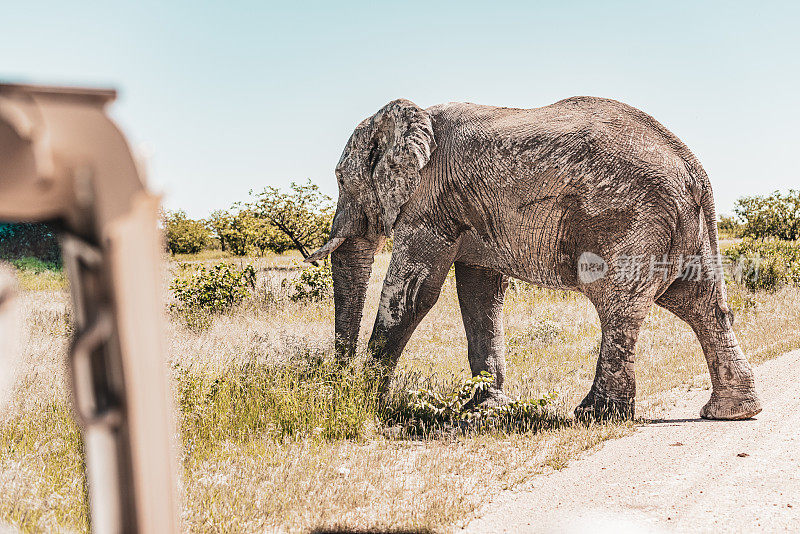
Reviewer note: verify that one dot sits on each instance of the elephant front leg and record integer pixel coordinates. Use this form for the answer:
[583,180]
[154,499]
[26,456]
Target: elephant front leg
[480,295]
[417,271]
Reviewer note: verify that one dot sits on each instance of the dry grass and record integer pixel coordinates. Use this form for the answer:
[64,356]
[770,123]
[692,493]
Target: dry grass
[46,281]
[250,481]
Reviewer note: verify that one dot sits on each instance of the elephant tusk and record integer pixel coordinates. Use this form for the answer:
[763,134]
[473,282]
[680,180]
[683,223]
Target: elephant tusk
[326,249]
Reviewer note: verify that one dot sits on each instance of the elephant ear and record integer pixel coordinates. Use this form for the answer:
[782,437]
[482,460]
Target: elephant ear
[403,143]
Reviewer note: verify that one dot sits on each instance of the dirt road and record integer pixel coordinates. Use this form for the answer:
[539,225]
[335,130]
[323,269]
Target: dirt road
[679,474]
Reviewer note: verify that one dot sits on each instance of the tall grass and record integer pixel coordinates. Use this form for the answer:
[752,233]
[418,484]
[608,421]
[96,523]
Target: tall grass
[252,400]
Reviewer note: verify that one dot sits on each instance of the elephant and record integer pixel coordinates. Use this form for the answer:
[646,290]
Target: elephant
[563,196]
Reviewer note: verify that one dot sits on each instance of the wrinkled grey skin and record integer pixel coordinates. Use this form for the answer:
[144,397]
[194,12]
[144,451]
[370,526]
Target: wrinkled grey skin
[524,192]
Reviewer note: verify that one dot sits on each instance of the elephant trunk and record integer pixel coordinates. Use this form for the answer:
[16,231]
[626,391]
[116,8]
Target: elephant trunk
[351,264]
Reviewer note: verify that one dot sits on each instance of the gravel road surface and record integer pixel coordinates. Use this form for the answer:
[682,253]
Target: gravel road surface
[677,474]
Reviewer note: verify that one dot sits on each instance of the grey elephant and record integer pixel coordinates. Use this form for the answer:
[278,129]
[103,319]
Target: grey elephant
[564,196]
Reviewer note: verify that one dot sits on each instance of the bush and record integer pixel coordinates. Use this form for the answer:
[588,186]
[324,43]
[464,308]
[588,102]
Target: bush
[315,284]
[274,220]
[728,226]
[235,231]
[215,289]
[424,410]
[765,264]
[33,240]
[184,235]
[776,215]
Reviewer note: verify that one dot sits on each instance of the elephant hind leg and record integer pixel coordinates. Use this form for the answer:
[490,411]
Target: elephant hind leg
[480,295]
[733,393]
[613,393]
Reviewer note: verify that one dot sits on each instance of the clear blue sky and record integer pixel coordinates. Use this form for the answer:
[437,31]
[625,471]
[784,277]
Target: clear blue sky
[230,96]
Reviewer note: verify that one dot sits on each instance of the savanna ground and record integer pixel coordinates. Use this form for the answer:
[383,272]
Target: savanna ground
[274,439]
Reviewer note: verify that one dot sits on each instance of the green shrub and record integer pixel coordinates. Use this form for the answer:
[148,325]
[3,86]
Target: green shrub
[315,284]
[765,264]
[776,215]
[185,235]
[243,232]
[740,299]
[37,240]
[728,226]
[424,410]
[214,289]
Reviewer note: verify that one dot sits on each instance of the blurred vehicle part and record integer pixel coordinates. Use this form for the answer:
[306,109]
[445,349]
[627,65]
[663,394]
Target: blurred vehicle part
[63,161]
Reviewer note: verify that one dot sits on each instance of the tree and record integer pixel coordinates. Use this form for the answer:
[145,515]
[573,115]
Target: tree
[776,215]
[185,235]
[218,223]
[238,232]
[268,237]
[303,214]
[242,232]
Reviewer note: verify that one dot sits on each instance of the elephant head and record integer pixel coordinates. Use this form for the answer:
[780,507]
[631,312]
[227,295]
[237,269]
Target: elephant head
[377,174]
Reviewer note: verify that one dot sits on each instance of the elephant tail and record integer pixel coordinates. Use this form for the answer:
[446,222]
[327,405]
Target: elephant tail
[706,202]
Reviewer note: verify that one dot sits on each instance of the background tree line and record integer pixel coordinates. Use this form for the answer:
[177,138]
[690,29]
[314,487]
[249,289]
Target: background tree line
[299,218]
[273,220]
[762,217]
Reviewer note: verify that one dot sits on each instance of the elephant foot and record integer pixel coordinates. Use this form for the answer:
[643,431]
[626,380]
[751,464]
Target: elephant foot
[488,400]
[596,407]
[732,405]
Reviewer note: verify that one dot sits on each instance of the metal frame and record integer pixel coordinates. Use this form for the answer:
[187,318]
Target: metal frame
[62,160]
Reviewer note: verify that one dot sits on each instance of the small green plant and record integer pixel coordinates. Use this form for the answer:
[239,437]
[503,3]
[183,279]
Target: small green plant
[212,290]
[520,286]
[540,332]
[424,410]
[35,265]
[315,284]
[545,331]
[767,264]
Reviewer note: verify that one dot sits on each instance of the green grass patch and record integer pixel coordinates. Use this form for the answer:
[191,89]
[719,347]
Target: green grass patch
[36,275]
